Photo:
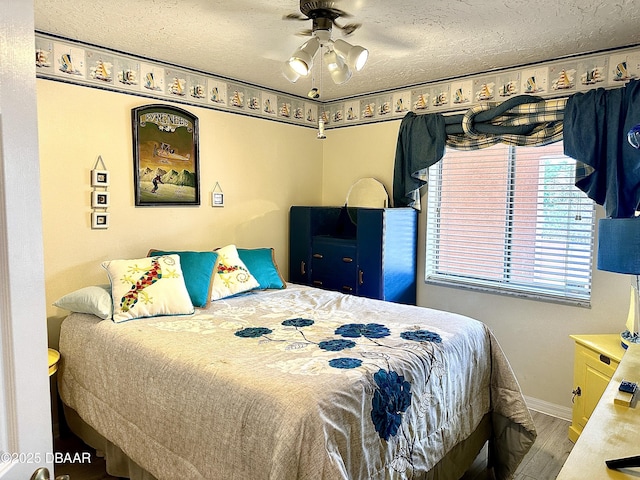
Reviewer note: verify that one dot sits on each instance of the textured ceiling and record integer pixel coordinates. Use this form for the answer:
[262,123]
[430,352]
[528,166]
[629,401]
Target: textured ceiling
[410,41]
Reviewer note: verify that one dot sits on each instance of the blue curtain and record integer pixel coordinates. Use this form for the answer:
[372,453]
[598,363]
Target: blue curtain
[421,143]
[595,133]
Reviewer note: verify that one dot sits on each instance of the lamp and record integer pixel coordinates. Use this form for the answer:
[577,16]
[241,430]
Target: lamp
[619,251]
[340,58]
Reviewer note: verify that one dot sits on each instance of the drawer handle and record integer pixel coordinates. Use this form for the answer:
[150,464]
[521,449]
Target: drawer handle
[576,393]
[317,255]
[347,288]
[360,277]
[317,282]
[347,259]
[302,268]
[605,359]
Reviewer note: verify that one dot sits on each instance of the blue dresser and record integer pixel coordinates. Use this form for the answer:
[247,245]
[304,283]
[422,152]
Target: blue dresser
[368,252]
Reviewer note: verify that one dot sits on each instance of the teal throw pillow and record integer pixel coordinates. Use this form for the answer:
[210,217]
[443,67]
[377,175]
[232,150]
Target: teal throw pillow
[197,269]
[262,265]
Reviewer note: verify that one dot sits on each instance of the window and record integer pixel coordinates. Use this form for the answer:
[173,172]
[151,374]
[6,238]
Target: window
[509,219]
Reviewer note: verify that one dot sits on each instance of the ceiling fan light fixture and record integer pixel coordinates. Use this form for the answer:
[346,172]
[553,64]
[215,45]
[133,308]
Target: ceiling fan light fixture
[358,56]
[341,75]
[341,58]
[332,61]
[302,59]
[300,66]
[323,35]
[338,70]
[289,73]
[355,55]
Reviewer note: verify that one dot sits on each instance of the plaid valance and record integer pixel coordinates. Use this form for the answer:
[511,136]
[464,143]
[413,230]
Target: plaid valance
[524,120]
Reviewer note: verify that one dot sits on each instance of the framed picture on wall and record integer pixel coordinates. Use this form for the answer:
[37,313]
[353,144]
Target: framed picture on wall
[99,178]
[99,220]
[165,156]
[99,199]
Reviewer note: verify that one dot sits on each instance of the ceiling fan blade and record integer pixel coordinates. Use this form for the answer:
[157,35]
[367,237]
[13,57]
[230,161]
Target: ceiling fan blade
[338,13]
[305,33]
[294,16]
[349,28]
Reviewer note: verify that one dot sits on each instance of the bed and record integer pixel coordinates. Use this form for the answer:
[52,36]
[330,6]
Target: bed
[293,383]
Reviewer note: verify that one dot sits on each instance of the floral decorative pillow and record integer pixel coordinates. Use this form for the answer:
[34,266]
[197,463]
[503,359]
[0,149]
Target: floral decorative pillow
[148,287]
[232,275]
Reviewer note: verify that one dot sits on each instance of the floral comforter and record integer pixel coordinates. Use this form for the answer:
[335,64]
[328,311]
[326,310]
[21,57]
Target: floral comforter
[291,384]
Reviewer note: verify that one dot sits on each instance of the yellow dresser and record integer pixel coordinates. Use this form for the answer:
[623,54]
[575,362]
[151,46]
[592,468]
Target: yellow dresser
[596,359]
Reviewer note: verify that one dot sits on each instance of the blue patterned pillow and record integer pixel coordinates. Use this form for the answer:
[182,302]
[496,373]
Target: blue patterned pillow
[261,263]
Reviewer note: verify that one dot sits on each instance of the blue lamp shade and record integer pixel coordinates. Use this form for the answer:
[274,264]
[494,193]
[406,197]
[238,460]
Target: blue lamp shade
[619,245]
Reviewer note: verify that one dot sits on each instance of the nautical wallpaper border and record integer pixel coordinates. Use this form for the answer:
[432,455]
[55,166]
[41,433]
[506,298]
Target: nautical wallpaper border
[74,62]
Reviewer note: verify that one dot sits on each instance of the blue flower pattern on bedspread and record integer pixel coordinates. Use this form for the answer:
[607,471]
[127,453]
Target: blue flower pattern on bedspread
[390,400]
[345,363]
[253,332]
[392,396]
[370,330]
[421,336]
[298,322]
[336,345]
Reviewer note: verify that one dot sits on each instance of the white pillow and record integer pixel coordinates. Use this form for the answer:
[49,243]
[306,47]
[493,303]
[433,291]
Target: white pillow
[148,287]
[95,299]
[231,276]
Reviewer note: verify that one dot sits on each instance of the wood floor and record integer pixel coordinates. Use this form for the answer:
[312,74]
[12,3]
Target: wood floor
[543,462]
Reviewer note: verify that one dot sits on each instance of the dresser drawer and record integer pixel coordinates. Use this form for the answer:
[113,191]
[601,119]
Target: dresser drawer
[596,359]
[333,264]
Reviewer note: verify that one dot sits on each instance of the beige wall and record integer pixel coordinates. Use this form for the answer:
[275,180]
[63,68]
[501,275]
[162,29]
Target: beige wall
[264,167]
[533,334]
[355,152]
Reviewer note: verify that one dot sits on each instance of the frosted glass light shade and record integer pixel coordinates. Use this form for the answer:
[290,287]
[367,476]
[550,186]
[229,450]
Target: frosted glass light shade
[355,56]
[289,73]
[338,70]
[302,59]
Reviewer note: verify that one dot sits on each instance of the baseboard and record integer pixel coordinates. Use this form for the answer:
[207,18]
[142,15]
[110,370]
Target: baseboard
[548,408]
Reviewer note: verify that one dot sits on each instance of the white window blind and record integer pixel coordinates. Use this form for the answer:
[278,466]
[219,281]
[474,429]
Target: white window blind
[509,219]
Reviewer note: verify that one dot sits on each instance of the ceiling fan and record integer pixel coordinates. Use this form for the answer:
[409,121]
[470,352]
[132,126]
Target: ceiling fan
[323,14]
[340,57]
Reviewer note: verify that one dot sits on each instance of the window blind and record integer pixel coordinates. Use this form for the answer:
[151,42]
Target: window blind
[510,220]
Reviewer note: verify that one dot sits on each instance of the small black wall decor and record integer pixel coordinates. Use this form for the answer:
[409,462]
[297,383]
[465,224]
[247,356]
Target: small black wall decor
[165,156]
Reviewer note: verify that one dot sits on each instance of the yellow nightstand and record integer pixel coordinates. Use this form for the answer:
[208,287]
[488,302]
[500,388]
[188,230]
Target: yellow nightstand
[54,357]
[596,359]
[612,431]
